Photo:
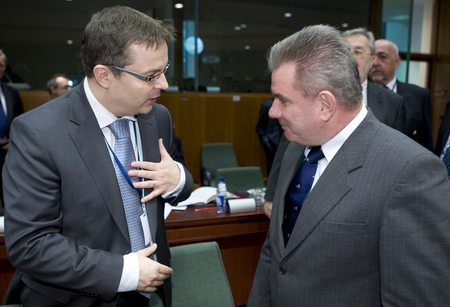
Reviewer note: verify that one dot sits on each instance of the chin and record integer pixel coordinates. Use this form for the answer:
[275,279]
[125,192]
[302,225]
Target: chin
[145,109]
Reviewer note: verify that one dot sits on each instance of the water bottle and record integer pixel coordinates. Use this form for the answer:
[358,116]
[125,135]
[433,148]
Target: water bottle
[221,195]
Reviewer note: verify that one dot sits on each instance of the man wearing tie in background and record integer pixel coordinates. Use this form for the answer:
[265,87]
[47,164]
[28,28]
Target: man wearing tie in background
[387,106]
[11,106]
[417,99]
[372,230]
[81,220]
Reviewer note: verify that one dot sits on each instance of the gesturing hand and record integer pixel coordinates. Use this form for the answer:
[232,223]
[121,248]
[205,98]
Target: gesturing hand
[163,176]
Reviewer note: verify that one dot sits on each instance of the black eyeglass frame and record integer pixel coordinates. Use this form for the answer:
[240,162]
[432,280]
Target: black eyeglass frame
[149,79]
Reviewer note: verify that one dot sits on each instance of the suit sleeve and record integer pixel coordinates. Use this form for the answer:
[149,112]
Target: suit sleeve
[414,253]
[260,293]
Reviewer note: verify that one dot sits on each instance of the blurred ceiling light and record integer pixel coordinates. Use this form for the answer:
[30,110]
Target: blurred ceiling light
[69,42]
[288,15]
[179,5]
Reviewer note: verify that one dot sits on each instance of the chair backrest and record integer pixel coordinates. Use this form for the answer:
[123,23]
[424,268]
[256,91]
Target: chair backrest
[214,156]
[198,278]
[242,178]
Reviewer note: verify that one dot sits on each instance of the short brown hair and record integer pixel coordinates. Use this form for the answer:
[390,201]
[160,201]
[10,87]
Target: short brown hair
[109,34]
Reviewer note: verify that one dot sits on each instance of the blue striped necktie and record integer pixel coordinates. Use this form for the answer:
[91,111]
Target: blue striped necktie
[123,149]
[299,189]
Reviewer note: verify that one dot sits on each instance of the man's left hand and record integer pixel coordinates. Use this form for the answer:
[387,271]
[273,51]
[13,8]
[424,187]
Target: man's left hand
[163,176]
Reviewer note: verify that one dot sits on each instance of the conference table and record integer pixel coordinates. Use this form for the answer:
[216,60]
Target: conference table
[240,237]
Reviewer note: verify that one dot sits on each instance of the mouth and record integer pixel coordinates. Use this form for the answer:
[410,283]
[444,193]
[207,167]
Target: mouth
[152,99]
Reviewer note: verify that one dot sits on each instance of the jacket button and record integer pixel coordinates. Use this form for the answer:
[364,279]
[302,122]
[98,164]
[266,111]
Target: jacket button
[282,270]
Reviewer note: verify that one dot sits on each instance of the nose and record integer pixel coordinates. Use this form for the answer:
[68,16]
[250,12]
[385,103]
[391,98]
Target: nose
[162,82]
[275,109]
[375,61]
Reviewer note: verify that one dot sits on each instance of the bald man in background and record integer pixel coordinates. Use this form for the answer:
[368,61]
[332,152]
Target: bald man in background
[58,85]
[417,99]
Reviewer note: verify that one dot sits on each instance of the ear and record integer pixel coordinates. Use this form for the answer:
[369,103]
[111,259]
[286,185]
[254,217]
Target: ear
[103,75]
[397,62]
[328,105]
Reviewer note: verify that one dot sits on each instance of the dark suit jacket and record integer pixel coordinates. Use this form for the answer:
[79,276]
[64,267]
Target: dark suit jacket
[269,132]
[418,108]
[65,225]
[444,131]
[14,108]
[387,107]
[363,236]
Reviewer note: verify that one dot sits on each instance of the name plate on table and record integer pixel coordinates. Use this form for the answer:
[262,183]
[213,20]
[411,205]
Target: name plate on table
[241,205]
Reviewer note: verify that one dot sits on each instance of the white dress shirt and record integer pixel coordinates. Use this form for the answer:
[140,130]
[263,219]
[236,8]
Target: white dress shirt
[130,273]
[331,147]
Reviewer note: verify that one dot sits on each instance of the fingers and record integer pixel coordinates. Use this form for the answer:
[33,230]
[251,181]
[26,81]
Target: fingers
[151,273]
[162,177]
[268,208]
[146,252]
[162,151]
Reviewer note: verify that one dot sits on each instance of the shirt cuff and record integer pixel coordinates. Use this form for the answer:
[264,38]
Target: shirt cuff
[130,273]
[180,185]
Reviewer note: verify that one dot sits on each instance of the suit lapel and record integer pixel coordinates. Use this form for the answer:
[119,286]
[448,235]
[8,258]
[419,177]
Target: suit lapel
[88,139]
[294,156]
[373,99]
[149,138]
[334,183]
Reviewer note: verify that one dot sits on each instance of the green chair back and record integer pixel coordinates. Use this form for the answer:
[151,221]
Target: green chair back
[199,277]
[214,156]
[242,178]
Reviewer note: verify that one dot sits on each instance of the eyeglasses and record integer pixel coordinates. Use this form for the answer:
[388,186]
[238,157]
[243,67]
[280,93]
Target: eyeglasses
[149,79]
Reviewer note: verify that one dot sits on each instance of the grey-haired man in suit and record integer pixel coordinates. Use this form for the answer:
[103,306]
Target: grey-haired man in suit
[373,229]
[67,225]
[387,106]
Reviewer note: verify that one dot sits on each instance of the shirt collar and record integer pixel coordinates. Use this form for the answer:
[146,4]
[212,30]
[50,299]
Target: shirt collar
[331,147]
[391,84]
[103,115]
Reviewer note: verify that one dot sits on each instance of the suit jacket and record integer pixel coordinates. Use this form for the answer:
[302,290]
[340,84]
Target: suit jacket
[444,131]
[418,108]
[370,233]
[14,105]
[14,108]
[387,106]
[269,132]
[65,225]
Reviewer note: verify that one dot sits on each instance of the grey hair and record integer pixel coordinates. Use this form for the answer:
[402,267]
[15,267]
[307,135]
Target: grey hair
[323,62]
[364,32]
